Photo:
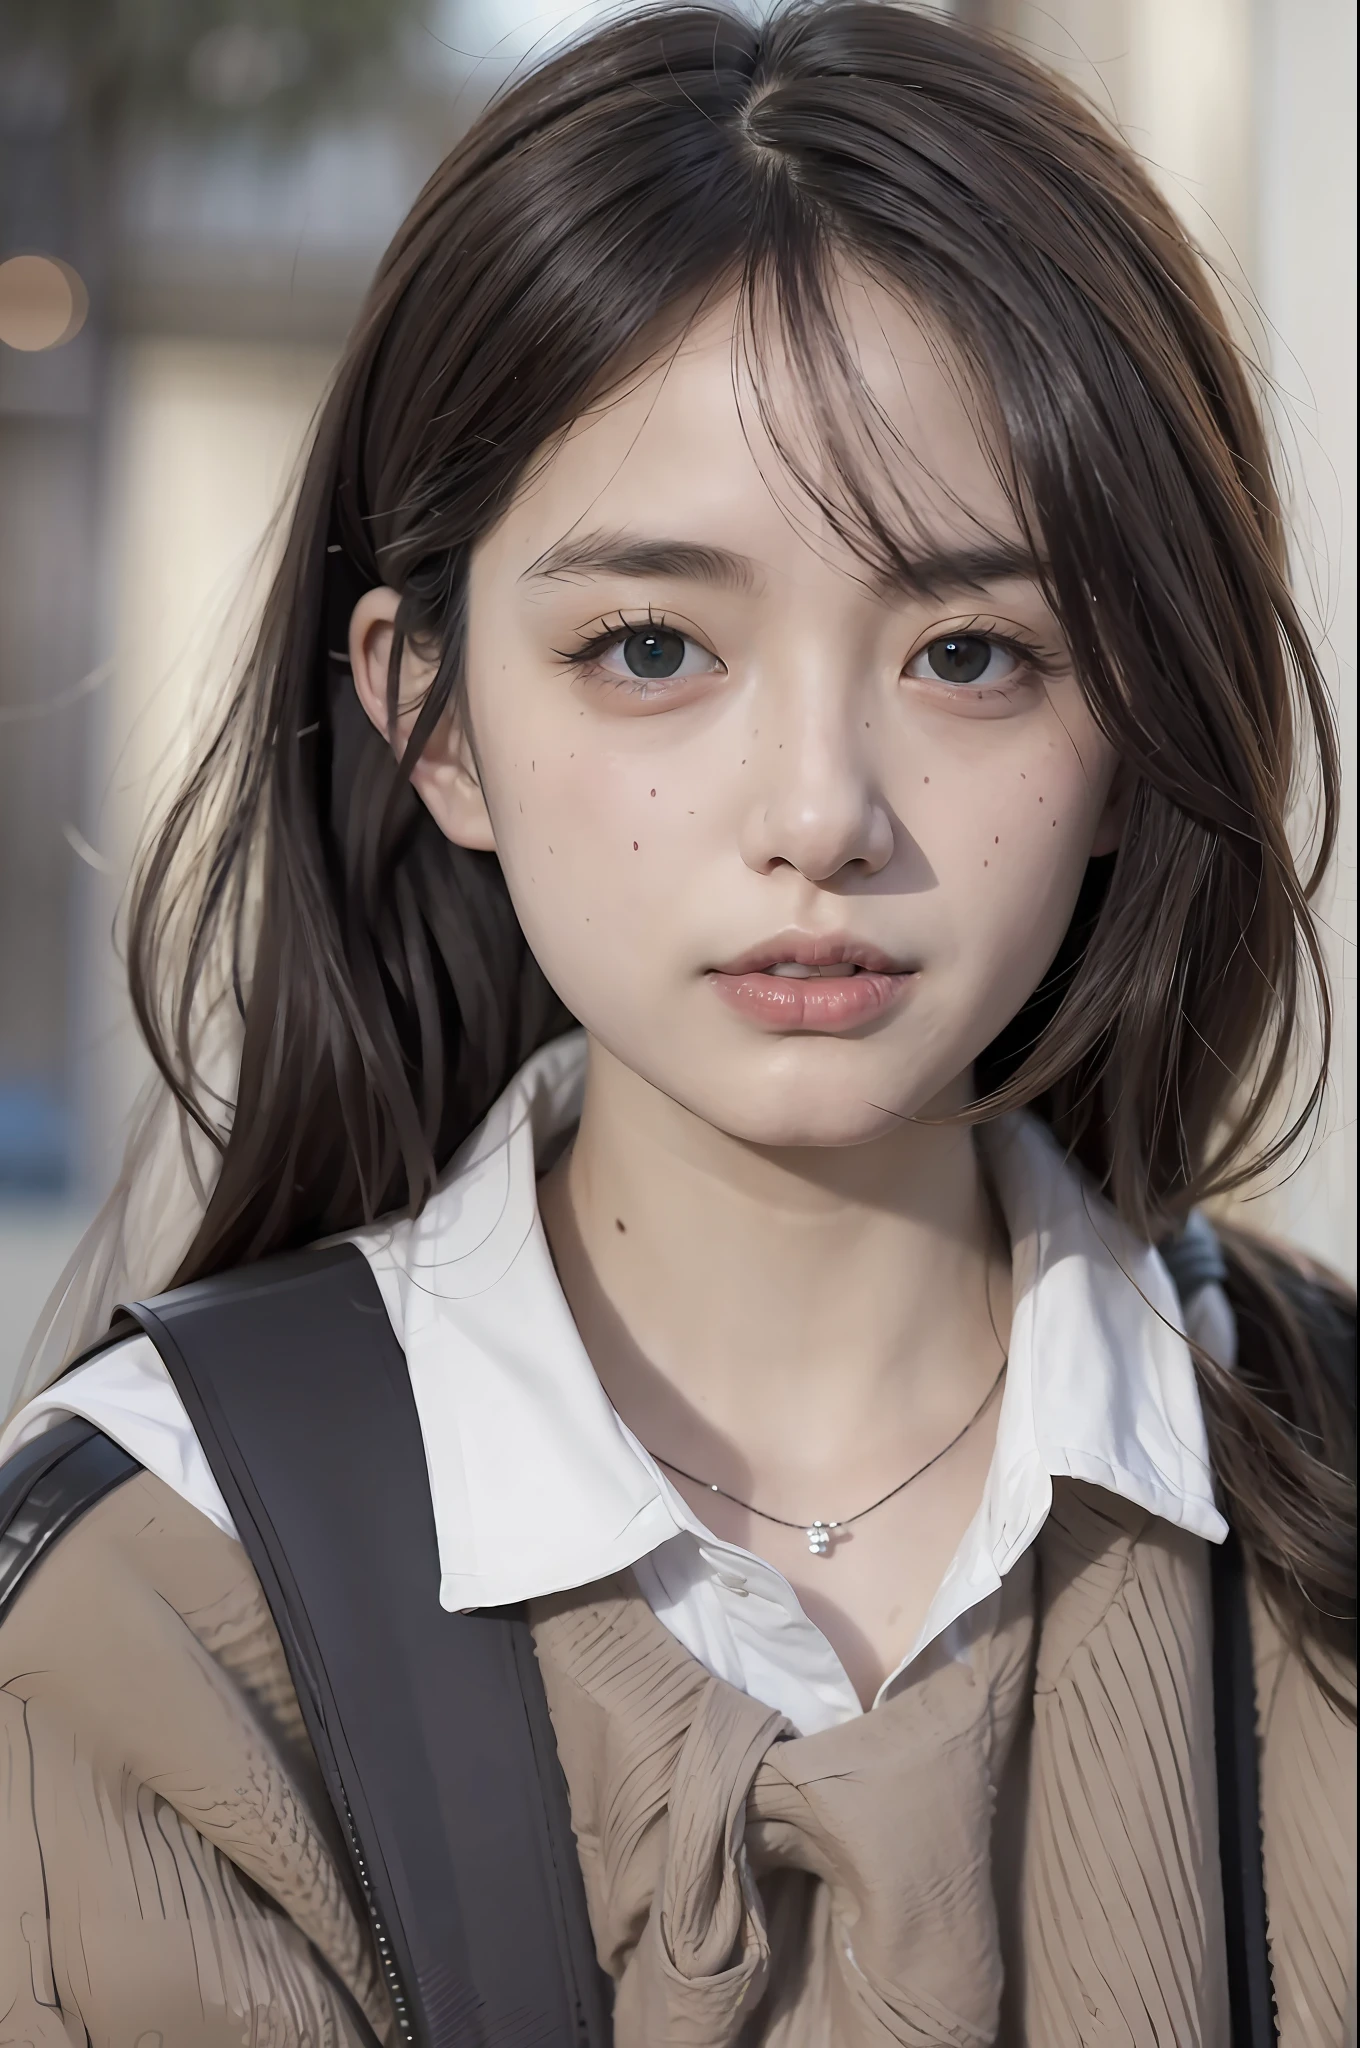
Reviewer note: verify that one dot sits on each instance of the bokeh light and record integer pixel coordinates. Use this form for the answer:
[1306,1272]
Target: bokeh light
[42,303]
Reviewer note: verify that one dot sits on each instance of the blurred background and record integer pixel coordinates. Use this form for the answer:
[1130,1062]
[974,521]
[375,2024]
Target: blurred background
[193,194]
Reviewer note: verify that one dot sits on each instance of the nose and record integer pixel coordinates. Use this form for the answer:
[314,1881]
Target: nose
[816,806]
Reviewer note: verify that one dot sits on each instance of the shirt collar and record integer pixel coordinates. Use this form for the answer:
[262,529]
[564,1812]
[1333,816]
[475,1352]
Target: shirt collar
[538,1487]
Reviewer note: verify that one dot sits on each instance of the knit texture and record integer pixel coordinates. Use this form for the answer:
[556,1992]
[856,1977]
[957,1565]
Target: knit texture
[746,1884]
[1019,1847]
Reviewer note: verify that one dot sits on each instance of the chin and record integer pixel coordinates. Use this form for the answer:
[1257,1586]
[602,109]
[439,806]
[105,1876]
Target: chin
[800,1112]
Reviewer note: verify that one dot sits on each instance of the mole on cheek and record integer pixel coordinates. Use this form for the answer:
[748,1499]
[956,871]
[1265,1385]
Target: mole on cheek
[653,792]
[635,846]
[620,1226]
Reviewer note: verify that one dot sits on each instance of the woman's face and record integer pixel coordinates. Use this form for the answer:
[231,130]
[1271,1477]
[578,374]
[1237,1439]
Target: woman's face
[793,844]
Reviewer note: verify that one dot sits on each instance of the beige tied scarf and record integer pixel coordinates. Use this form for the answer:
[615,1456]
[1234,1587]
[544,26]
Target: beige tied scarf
[841,1890]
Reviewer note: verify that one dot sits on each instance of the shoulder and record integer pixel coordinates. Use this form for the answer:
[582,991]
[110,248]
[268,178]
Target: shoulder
[129,1541]
[127,1601]
[157,1753]
[125,1588]
[125,1393]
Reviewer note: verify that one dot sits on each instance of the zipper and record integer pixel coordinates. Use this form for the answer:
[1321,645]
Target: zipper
[387,1961]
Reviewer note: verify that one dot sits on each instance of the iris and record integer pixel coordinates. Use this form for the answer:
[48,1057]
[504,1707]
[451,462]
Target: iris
[655,653]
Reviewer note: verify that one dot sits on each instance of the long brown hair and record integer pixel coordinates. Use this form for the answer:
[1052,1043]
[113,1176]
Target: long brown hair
[385,989]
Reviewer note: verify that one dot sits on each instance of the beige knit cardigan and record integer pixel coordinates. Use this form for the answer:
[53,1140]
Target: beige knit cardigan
[1018,1847]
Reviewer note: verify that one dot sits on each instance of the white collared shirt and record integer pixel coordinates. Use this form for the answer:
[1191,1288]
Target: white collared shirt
[539,1486]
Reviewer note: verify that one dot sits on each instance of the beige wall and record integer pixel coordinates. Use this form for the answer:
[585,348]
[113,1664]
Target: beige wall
[1305,274]
[205,436]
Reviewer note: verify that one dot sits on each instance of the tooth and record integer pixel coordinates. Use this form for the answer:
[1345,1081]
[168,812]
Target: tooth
[793,969]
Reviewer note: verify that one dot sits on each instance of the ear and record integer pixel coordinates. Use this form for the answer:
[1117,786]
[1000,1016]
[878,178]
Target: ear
[1115,816]
[445,777]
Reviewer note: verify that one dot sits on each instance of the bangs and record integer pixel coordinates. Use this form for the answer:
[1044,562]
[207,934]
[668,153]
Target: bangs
[866,480]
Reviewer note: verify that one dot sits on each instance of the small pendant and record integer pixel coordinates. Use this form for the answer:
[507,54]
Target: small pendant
[819,1537]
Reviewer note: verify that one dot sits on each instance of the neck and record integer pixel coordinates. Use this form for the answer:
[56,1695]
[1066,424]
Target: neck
[785,1301]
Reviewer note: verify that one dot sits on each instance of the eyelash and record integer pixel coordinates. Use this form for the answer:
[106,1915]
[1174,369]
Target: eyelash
[1031,658]
[600,642]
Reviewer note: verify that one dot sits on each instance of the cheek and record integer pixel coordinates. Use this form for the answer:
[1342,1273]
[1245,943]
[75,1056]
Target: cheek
[1009,854]
[591,843]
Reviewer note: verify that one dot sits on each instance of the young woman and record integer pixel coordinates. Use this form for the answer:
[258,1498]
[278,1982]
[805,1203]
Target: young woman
[748,869]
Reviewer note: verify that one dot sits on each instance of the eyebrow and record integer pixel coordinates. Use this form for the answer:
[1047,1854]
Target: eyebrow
[624,554]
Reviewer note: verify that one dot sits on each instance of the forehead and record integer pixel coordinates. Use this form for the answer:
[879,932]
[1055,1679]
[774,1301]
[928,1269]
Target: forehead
[698,439]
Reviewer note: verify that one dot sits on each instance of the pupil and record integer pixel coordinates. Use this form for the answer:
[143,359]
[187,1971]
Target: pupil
[960,660]
[655,652]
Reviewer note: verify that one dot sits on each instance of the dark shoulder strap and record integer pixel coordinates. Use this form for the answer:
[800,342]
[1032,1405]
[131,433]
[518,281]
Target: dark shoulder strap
[1195,1259]
[431,1729]
[48,1485]
[1251,1996]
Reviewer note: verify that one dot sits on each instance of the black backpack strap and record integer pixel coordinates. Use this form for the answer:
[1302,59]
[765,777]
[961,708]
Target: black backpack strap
[431,1729]
[47,1485]
[1251,1995]
[1195,1259]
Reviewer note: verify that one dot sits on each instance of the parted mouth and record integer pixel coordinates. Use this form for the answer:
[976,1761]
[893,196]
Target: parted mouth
[807,956]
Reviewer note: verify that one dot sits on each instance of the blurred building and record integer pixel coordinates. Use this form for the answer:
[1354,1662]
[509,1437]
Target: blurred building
[191,202]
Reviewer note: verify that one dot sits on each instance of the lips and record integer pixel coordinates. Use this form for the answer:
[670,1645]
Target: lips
[800,982]
[808,950]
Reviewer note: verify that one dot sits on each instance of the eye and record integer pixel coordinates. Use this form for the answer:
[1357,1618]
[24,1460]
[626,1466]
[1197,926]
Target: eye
[654,654]
[961,659]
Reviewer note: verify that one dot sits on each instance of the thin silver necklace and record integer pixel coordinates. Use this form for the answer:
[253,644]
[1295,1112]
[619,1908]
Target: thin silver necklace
[821,1534]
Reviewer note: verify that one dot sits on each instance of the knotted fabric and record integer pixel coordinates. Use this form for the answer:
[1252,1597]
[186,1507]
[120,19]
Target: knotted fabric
[1019,1845]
